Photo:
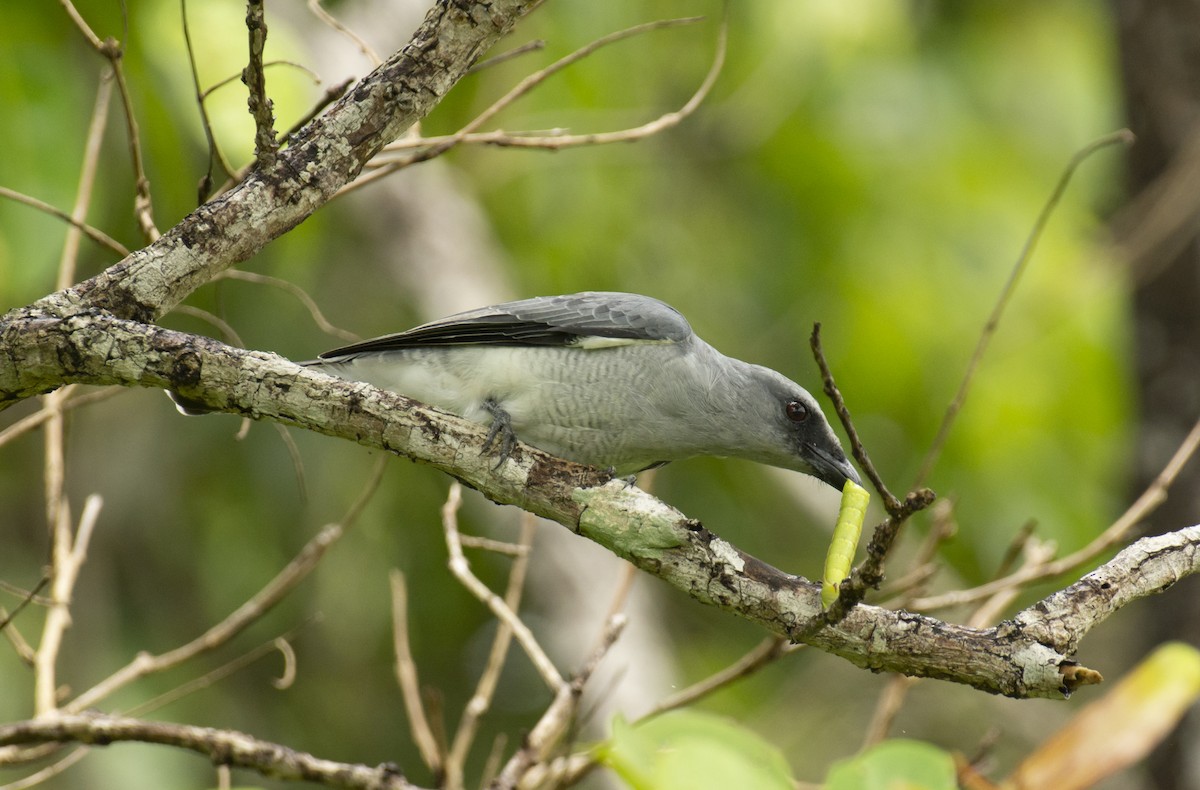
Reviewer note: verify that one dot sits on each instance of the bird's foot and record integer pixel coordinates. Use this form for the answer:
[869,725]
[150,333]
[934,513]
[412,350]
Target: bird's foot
[500,435]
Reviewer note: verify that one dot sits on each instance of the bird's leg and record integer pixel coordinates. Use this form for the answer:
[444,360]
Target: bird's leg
[500,434]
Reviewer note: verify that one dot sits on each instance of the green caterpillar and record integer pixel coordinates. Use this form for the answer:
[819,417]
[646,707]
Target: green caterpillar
[845,540]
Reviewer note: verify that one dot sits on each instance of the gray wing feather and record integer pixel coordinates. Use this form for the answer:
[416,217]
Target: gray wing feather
[542,321]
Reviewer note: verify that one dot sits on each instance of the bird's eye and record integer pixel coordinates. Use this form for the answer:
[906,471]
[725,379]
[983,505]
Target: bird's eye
[796,411]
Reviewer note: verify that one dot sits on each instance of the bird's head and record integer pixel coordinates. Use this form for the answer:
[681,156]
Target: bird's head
[797,435]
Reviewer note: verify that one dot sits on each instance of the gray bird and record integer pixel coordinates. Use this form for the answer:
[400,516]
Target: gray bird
[608,379]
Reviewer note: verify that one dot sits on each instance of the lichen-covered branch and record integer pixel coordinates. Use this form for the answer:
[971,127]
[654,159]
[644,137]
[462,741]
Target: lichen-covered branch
[320,159]
[1029,656]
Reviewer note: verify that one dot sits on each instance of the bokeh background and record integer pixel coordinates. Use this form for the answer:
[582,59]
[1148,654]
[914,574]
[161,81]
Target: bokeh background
[875,166]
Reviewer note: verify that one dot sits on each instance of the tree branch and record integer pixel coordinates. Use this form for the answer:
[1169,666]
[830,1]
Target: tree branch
[223,747]
[1026,657]
[320,159]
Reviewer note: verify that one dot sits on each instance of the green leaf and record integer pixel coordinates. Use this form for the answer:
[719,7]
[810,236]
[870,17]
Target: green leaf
[693,751]
[895,765]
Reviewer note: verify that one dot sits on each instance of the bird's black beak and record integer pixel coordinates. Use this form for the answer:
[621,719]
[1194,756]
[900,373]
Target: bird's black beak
[831,466]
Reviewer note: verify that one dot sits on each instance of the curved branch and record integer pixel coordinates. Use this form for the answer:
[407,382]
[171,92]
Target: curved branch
[223,747]
[1025,657]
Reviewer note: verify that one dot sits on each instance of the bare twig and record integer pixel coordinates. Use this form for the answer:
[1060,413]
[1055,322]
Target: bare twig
[82,24]
[50,771]
[235,78]
[462,571]
[240,619]
[429,747]
[331,94]
[941,528]
[1125,137]
[323,15]
[39,417]
[27,597]
[557,718]
[214,676]
[215,154]
[265,146]
[111,49]
[245,615]
[70,552]
[890,503]
[891,699]
[766,652]
[1154,495]
[295,290]
[98,236]
[485,689]
[504,57]
[224,327]
[87,178]
[870,573]
[143,206]
[494,546]
[429,148]
[285,681]
[225,747]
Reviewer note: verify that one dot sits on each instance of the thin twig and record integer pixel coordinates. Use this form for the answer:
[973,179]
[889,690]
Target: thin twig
[558,717]
[143,206]
[1125,137]
[529,46]
[28,597]
[462,571]
[942,527]
[70,552]
[297,460]
[215,154]
[766,652]
[890,503]
[39,417]
[485,689]
[82,24]
[428,746]
[214,676]
[331,94]
[323,15]
[50,771]
[31,595]
[1037,553]
[494,546]
[224,327]
[87,178]
[227,747]
[295,290]
[236,78]
[96,235]
[432,147]
[891,699]
[241,618]
[1154,495]
[870,573]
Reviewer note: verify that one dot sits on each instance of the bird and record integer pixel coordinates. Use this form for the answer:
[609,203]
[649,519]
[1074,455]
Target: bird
[618,381]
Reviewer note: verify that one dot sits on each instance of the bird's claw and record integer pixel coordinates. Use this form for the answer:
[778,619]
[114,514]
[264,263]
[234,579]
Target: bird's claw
[500,436]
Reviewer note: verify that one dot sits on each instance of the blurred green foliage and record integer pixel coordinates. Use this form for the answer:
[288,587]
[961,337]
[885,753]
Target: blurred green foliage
[874,166]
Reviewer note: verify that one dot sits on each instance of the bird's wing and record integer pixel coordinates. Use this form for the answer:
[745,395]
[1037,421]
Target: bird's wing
[590,319]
